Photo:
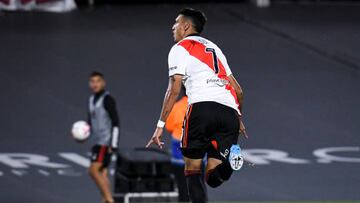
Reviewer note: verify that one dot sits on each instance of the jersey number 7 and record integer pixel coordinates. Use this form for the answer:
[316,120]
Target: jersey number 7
[216,66]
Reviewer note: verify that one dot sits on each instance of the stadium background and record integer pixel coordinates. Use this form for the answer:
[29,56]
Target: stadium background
[298,63]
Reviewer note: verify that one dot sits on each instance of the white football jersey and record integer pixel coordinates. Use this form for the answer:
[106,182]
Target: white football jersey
[205,71]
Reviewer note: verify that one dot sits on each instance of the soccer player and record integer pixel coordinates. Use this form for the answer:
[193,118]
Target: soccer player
[104,122]
[212,122]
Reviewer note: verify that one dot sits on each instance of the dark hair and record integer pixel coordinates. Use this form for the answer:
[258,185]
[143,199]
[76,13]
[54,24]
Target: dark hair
[96,73]
[197,18]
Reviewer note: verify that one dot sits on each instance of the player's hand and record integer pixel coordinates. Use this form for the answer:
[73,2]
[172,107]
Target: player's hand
[156,138]
[243,130]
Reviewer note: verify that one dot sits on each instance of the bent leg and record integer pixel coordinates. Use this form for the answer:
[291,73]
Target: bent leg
[217,172]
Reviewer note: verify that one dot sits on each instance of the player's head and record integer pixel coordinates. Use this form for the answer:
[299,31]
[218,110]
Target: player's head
[97,82]
[189,21]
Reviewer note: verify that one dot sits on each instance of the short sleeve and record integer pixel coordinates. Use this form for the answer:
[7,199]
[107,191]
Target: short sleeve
[225,63]
[177,60]
[227,68]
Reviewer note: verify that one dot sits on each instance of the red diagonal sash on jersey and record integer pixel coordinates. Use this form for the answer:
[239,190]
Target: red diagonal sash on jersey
[197,50]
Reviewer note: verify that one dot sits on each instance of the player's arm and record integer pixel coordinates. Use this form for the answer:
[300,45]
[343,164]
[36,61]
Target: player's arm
[173,90]
[232,80]
[110,107]
[177,64]
[240,97]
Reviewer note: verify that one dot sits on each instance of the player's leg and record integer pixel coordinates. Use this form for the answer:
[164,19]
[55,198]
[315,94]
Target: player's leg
[100,181]
[193,147]
[217,171]
[105,174]
[98,158]
[194,179]
[178,168]
[219,168]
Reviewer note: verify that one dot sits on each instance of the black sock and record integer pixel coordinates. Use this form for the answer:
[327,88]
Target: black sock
[219,174]
[196,187]
[225,170]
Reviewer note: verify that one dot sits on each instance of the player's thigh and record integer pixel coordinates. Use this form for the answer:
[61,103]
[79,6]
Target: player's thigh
[219,151]
[229,122]
[226,136]
[95,168]
[107,160]
[221,144]
[100,156]
[198,127]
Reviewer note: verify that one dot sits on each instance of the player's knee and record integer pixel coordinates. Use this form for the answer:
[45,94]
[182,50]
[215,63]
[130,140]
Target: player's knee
[93,171]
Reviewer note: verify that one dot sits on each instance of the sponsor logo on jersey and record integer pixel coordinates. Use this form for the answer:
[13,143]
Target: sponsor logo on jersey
[217,81]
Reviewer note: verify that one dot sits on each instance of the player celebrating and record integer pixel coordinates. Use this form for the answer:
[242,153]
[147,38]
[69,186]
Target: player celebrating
[104,122]
[212,122]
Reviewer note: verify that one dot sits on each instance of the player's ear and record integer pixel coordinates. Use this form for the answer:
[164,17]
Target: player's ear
[187,26]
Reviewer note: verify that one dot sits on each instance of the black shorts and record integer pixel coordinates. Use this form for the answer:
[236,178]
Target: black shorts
[209,128]
[101,154]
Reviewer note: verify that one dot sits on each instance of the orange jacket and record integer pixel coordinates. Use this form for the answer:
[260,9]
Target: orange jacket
[174,122]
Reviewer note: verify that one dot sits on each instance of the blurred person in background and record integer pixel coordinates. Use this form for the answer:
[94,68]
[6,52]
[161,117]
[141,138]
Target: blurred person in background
[104,121]
[174,125]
